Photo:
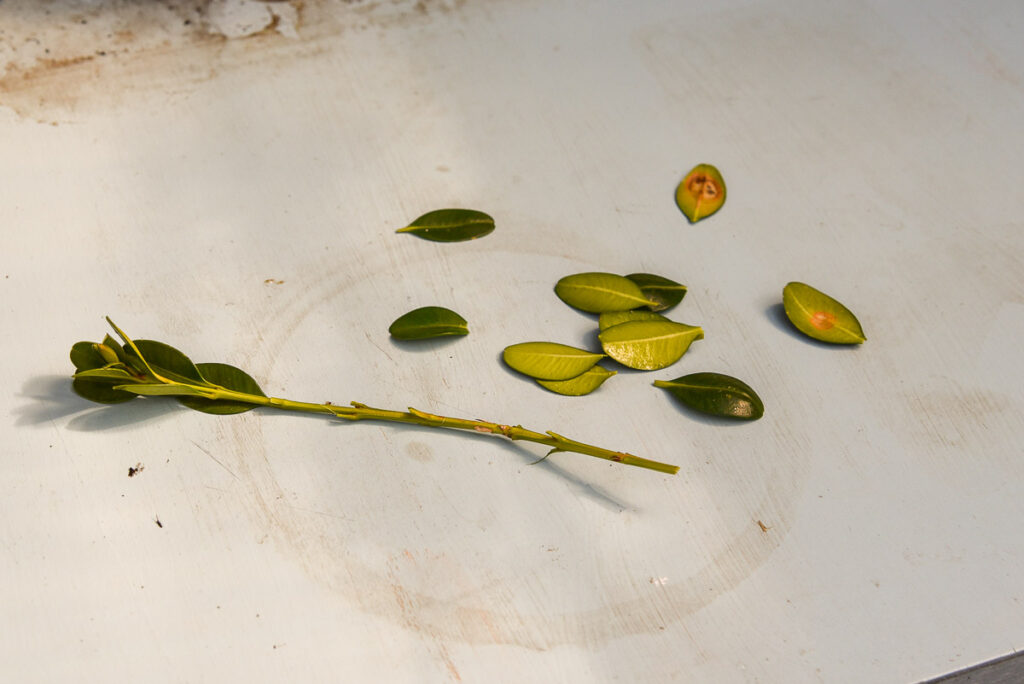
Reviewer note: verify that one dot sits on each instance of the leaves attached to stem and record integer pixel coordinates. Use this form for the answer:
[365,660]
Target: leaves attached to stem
[109,373]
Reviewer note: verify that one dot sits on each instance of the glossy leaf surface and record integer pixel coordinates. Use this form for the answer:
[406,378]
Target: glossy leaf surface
[716,394]
[549,360]
[607,320]
[428,322]
[648,345]
[164,357]
[450,225]
[227,377]
[819,316]
[701,193]
[667,293]
[601,292]
[581,384]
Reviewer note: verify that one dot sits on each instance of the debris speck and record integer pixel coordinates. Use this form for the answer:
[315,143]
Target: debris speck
[135,469]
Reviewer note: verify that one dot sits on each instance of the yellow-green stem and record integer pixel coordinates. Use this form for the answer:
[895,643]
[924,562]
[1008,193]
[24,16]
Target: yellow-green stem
[358,411]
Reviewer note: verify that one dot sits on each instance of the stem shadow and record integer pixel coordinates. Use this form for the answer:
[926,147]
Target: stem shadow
[587,490]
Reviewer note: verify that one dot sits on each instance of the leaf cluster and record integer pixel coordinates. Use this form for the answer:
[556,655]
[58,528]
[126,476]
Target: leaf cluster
[109,372]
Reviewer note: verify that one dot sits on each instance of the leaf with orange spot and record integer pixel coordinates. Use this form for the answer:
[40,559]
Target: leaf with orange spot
[701,193]
[819,316]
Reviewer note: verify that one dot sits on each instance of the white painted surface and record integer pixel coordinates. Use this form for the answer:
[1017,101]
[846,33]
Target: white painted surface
[873,151]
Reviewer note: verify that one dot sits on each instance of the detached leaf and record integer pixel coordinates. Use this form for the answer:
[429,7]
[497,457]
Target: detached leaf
[601,292]
[817,315]
[450,225]
[549,360]
[100,392]
[428,322]
[701,193]
[227,377]
[581,384]
[716,394]
[607,320]
[667,293]
[648,345]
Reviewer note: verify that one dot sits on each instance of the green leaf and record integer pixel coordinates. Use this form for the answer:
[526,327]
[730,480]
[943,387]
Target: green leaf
[168,361]
[549,360]
[428,322]
[450,225]
[100,392]
[717,394]
[701,193]
[85,356]
[582,384]
[817,315]
[109,374]
[607,320]
[116,346]
[164,389]
[227,377]
[648,345]
[601,292]
[667,293]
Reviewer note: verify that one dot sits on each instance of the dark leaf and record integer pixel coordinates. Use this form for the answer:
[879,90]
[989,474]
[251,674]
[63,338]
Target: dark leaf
[227,377]
[716,394]
[450,225]
[667,293]
[428,322]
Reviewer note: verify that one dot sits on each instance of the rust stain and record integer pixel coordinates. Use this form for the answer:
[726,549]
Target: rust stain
[64,58]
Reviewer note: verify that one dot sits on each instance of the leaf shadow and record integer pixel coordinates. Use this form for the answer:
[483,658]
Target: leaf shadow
[427,345]
[51,398]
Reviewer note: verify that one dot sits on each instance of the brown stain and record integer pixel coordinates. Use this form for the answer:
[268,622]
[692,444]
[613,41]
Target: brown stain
[418,451]
[485,612]
[61,60]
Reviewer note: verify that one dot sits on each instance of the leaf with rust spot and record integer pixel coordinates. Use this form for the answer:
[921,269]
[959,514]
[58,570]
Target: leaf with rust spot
[701,193]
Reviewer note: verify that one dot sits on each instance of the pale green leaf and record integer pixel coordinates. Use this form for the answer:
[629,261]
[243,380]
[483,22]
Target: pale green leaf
[549,360]
[607,320]
[648,345]
[819,316]
[584,383]
[601,292]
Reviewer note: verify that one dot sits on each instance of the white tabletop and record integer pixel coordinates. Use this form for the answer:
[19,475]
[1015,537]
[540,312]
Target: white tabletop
[227,177]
